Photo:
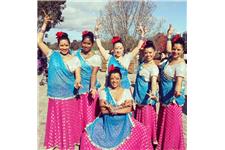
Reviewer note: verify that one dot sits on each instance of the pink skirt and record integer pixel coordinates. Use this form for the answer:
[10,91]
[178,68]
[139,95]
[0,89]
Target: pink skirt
[88,108]
[63,126]
[147,115]
[170,129]
[138,140]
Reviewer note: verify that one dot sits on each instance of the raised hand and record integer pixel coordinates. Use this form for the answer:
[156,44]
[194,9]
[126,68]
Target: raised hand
[170,30]
[47,18]
[98,25]
[142,29]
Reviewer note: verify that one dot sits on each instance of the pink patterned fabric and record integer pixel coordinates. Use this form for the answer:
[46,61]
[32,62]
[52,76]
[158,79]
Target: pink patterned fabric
[63,126]
[138,140]
[170,129]
[88,108]
[147,115]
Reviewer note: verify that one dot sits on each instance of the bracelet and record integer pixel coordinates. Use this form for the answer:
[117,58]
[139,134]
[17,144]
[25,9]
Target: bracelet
[42,31]
[97,36]
[143,38]
[169,38]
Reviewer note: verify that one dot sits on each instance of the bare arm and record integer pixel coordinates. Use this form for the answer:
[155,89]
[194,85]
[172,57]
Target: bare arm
[78,78]
[124,108]
[135,51]
[169,36]
[104,107]
[154,84]
[102,50]
[93,81]
[179,80]
[44,48]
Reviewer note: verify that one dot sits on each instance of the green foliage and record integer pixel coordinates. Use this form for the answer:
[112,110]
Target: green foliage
[52,8]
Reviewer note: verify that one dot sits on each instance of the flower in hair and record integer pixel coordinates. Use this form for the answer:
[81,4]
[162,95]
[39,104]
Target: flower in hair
[59,35]
[111,68]
[85,32]
[176,37]
[143,45]
[115,39]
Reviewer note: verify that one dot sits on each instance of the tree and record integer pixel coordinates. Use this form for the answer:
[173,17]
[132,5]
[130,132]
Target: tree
[52,8]
[122,17]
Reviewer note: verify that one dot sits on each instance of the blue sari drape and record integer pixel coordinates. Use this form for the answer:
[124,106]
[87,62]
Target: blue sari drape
[86,71]
[60,79]
[141,89]
[125,82]
[167,88]
[109,131]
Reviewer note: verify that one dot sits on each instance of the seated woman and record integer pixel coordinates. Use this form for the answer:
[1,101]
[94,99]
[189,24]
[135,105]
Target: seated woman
[114,128]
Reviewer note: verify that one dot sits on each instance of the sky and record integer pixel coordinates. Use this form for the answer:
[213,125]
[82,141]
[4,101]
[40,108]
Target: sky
[81,15]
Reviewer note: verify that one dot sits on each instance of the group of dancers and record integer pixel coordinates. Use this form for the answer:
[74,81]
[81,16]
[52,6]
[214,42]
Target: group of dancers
[115,117]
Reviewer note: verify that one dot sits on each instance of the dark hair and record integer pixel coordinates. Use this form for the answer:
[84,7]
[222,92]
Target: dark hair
[88,34]
[149,44]
[62,36]
[177,40]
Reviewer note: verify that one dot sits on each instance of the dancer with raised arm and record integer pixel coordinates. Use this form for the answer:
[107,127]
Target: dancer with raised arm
[63,82]
[146,91]
[118,58]
[172,97]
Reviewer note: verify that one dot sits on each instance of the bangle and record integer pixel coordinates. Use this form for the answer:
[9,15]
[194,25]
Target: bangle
[169,38]
[143,38]
[42,31]
[97,36]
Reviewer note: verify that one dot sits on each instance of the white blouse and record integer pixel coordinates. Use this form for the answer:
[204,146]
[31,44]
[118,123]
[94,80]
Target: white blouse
[71,64]
[124,60]
[94,61]
[148,72]
[126,96]
[176,70]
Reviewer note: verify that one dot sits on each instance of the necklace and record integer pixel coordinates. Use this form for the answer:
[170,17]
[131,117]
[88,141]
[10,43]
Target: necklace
[64,54]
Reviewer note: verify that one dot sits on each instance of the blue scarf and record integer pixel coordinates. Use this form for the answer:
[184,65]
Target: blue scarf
[141,89]
[125,83]
[60,79]
[86,71]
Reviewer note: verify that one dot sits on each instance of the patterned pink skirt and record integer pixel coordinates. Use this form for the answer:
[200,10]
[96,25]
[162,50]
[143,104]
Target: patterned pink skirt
[147,115]
[88,108]
[170,129]
[63,126]
[138,140]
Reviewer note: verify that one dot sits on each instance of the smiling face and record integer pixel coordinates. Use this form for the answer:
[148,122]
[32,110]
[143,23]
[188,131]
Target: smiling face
[64,46]
[118,49]
[177,50]
[149,54]
[115,80]
[86,45]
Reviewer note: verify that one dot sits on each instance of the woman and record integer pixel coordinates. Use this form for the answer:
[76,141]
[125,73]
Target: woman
[115,129]
[172,97]
[62,115]
[119,59]
[146,91]
[90,64]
